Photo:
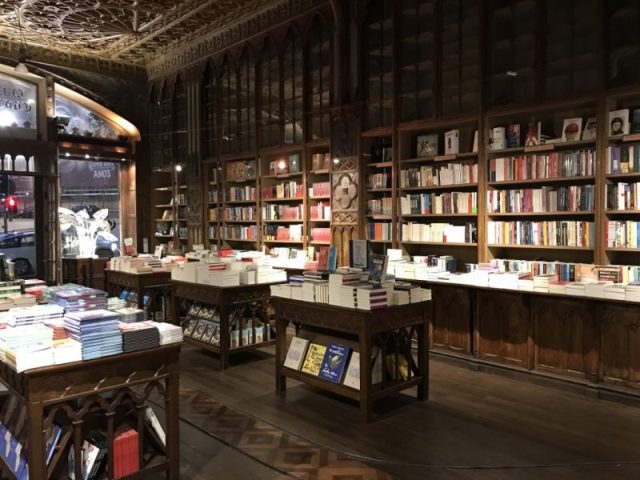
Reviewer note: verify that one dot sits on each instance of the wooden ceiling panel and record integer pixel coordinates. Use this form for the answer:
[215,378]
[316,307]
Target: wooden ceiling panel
[130,31]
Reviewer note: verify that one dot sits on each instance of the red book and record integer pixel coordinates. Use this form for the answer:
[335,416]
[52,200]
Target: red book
[323,258]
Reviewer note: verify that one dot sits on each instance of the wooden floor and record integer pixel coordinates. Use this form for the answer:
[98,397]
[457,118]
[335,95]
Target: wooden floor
[476,425]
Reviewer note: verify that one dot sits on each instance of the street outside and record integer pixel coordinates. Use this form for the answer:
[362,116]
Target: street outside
[17,224]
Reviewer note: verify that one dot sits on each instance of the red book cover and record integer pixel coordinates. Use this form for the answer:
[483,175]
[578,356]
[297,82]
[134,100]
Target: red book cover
[323,258]
[135,452]
[117,457]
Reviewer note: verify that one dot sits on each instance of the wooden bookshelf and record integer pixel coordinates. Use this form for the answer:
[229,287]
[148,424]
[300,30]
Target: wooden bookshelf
[380,196]
[214,202]
[240,190]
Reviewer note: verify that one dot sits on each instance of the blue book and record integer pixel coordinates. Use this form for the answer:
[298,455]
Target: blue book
[52,442]
[332,260]
[334,362]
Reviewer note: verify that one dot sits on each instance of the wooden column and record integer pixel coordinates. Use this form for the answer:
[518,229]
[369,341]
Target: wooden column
[193,176]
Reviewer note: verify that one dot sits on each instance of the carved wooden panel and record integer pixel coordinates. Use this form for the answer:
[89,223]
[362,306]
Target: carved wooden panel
[620,344]
[451,322]
[566,337]
[504,321]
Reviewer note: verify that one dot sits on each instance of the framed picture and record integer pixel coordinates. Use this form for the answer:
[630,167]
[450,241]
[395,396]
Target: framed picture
[359,254]
[571,129]
[589,132]
[619,122]
[427,145]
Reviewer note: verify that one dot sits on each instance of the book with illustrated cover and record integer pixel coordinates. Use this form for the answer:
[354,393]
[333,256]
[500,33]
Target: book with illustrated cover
[190,326]
[427,145]
[513,135]
[334,363]
[199,330]
[571,129]
[332,259]
[323,258]
[155,427]
[296,353]
[378,268]
[313,360]
[208,332]
[533,135]
[294,163]
[619,122]
[452,142]
[590,129]
[352,377]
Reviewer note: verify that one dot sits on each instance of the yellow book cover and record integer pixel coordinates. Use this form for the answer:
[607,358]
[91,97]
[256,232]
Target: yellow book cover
[313,360]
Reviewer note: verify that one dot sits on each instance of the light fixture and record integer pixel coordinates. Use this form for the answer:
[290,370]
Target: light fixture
[282,164]
[336,161]
[87,156]
[178,168]
[123,159]
[511,73]
[67,154]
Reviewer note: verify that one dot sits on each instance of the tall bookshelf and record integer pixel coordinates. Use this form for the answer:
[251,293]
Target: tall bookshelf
[542,198]
[240,203]
[437,189]
[170,210]
[282,198]
[214,204]
[318,212]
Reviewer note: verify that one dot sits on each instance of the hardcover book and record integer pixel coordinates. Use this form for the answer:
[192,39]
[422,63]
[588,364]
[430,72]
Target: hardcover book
[513,135]
[589,132]
[332,259]
[359,254]
[323,258]
[334,363]
[427,145]
[533,135]
[294,163]
[352,377]
[571,128]
[313,360]
[378,268]
[296,353]
[619,122]
[498,138]
[452,142]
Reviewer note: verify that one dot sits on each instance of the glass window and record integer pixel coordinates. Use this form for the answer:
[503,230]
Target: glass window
[89,208]
[17,237]
[18,112]
[84,122]
[319,58]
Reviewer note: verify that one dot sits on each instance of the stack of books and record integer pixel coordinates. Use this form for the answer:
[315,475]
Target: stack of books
[595,289]
[576,288]
[57,325]
[541,282]
[116,303]
[168,332]
[97,331]
[526,285]
[22,300]
[337,281]
[36,314]
[139,336]
[556,286]
[632,292]
[130,315]
[80,299]
[66,351]
[615,291]
[371,298]
[347,296]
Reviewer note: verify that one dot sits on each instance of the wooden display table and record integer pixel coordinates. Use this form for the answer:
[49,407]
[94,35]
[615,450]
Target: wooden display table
[592,342]
[363,327]
[227,300]
[75,390]
[141,282]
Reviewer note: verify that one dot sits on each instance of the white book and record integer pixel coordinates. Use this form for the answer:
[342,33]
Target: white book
[451,142]
[296,353]
[352,377]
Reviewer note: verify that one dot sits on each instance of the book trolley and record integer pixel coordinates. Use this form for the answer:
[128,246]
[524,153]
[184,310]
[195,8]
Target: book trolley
[77,396]
[230,302]
[367,329]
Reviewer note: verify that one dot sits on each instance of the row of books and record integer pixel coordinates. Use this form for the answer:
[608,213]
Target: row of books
[581,163]
[291,189]
[430,176]
[321,234]
[213,232]
[575,198]
[380,231]
[379,180]
[212,196]
[240,194]
[282,233]
[213,215]
[622,234]
[562,233]
[321,161]
[439,232]
[623,159]
[239,232]
[282,212]
[240,171]
[623,196]
[380,206]
[239,214]
[439,203]
[320,189]
[320,211]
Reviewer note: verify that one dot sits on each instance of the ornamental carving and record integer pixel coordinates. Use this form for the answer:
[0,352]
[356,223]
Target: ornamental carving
[345,191]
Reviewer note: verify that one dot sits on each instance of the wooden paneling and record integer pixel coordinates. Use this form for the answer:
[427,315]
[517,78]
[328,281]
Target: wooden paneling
[565,337]
[451,325]
[620,344]
[504,327]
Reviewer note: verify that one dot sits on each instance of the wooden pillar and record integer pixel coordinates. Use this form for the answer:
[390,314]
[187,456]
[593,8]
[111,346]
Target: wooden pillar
[193,174]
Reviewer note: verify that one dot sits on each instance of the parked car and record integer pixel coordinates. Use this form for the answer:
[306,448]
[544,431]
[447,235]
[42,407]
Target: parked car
[19,246]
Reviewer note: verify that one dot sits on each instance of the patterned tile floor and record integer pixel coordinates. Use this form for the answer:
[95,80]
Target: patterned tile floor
[275,448]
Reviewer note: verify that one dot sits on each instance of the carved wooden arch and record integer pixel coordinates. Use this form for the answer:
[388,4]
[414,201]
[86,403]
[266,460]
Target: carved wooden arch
[317,17]
[269,40]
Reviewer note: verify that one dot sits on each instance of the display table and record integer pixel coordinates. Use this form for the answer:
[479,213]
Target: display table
[363,327]
[141,282]
[87,271]
[228,300]
[74,391]
[588,341]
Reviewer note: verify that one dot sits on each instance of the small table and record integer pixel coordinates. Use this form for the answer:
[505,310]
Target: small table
[227,299]
[58,388]
[141,282]
[363,326]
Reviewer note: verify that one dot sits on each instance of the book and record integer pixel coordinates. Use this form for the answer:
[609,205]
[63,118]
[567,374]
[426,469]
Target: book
[332,259]
[474,146]
[571,129]
[619,122]
[452,142]
[532,137]
[156,428]
[294,163]
[513,135]
[352,377]
[427,145]
[313,359]
[334,362]
[378,268]
[52,442]
[498,140]
[635,120]
[323,258]
[589,132]
[296,353]
[359,254]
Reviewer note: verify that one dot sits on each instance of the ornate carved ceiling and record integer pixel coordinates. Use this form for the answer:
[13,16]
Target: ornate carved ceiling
[128,31]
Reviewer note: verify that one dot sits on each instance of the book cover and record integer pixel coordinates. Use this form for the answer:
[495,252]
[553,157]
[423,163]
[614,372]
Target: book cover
[474,145]
[452,142]
[427,145]
[352,377]
[313,360]
[619,122]
[332,259]
[533,135]
[498,140]
[589,132]
[323,258]
[513,135]
[199,330]
[378,268]
[334,362]
[635,120]
[294,163]
[190,327]
[296,353]
[571,129]
[52,442]
[359,254]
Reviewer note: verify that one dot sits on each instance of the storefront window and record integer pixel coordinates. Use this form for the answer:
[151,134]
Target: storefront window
[85,123]
[17,227]
[18,112]
[89,208]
